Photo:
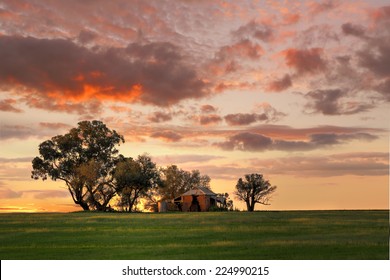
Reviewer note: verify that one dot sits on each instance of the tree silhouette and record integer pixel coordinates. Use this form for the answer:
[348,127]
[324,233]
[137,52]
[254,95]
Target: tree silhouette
[84,158]
[254,189]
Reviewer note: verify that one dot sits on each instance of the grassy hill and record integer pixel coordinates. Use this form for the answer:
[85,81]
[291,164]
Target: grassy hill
[214,235]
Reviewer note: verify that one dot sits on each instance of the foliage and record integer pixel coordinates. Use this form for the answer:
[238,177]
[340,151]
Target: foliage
[228,202]
[135,179]
[224,203]
[177,181]
[84,158]
[254,189]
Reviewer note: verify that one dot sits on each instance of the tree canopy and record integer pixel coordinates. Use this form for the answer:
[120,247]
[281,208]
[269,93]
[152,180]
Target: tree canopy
[177,181]
[135,179]
[84,158]
[254,189]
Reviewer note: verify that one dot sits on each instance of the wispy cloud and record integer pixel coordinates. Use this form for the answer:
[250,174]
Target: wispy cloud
[357,164]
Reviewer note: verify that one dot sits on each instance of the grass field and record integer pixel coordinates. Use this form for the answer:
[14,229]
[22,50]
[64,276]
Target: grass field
[282,235]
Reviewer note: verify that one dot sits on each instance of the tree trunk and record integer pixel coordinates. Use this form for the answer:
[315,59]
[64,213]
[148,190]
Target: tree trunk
[249,207]
[83,205]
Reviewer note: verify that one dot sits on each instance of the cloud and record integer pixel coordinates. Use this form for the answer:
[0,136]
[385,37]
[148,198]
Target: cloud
[167,136]
[357,164]
[234,86]
[227,171]
[43,194]
[246,141]
[37,194]
[380,14]
[322,6]
[64,73]
[41,130]
[244,119]
[18,160]
[376,56]
[288,132]
[253,29]
[9,194]
[208,109]
[332,102]
[54,126]
[317,35]
[280,84]
[264,112]
[373,54]
[56,103]
[16,131]
[210,119]
[86,36]
[159,117]
[384,89]
[353,29]
[233,58]
[306,61]
[254,142]
[291,18]
[179,159]
[7,105]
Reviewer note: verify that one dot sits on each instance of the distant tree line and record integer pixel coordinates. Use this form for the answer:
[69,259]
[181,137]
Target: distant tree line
[87,161]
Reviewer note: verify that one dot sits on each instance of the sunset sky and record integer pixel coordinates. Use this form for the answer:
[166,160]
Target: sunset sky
[296,90]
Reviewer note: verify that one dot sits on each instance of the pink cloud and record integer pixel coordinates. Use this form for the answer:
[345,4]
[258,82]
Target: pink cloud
[158,117]
[256,142]
[280,84]
[308,61]
[208,109]
[322,6]
[55,126]
[291,18]
[8,105]
[167,136]
[211,119]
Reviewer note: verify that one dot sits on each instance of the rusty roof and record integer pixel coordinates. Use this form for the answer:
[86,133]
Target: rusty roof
[199,191]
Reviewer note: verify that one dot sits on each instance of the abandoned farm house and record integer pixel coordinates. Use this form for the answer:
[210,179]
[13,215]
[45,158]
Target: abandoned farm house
[199,199]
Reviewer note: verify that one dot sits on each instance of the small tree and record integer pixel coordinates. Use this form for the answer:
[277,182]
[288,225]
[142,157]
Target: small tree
[135,179]
[177,181]
[254,189]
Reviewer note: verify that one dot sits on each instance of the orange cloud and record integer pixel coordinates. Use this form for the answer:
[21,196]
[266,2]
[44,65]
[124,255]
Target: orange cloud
[154,73]
[381,13]
[290,18]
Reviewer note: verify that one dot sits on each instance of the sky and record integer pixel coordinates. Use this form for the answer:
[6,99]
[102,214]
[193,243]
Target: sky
[298,91]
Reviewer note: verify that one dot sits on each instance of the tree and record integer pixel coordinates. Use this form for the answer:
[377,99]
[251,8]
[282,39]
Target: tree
[254,189]
[84,158]
[177,181]
[135,179]
[195,179]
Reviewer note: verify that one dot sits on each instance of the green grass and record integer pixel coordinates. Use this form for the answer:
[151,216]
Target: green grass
[282,235]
